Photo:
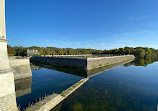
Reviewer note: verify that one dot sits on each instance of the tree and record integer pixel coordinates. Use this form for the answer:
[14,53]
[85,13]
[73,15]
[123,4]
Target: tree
[121,51]
[20,51]
[10,50]
[127,50]
[141,53]
[148,52]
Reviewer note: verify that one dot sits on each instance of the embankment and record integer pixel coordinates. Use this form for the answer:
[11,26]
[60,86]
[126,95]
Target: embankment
[83,63]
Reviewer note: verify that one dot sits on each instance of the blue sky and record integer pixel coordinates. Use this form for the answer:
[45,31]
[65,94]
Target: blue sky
[98,24]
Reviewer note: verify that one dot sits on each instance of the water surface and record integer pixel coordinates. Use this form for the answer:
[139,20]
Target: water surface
[132,87]
[44,82]
[129,87]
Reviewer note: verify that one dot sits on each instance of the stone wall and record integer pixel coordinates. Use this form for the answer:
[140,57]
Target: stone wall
[21,68]
[67,62]
[76,71]
[87,64]
[7,92]
[93,63]
[99,70]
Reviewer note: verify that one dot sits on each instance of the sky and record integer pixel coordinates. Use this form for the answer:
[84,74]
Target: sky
[96,24]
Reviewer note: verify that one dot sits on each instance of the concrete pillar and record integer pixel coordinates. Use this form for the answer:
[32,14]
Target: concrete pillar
[7,86]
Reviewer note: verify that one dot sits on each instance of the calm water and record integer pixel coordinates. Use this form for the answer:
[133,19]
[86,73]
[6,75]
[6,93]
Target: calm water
[45,81]
[132,87]
[124,88]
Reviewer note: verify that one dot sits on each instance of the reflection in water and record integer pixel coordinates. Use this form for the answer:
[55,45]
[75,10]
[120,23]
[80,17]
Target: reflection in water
[132,88]
[76,71]
[35,67]
[44,82]
[47,79]
[142,62]
[23,86]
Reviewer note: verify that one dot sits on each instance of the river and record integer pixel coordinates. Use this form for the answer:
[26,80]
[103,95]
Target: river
[129,87]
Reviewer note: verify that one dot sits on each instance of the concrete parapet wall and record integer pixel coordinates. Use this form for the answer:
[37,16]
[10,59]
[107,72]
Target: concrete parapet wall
[88,63]
[21,68]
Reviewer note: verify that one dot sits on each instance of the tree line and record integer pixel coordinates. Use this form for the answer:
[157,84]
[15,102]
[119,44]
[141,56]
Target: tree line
[139,52]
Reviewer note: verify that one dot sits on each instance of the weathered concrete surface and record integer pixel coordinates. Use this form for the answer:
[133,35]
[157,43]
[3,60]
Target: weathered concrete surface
[52,100]
[21,68]
[88,63]
[96,71]
[93,63]
[4,61]
[7,92]
[23,86]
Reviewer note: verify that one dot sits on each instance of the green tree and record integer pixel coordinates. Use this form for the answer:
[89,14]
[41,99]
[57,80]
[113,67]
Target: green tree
[141,53]
[148,52]
[10,50]
[20,51]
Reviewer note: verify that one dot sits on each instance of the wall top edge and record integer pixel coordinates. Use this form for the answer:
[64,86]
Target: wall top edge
[110,57]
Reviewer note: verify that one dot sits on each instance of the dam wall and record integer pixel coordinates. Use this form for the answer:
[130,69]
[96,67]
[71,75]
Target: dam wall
[83,63]
[21,68]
